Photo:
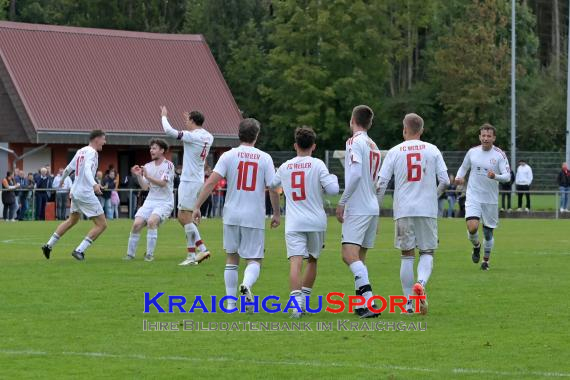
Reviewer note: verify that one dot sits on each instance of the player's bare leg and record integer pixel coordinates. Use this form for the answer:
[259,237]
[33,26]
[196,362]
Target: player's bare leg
[231,278]
[134,237]
[100,225]
[473,235]
[194,241]
[407,275]
[151,236]
[59,232]
[351,255]
[250,276]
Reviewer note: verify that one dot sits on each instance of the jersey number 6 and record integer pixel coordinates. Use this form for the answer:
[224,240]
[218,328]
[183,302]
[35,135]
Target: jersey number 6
[414,167]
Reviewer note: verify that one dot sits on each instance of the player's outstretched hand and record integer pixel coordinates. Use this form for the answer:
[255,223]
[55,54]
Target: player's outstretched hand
[163,111]
[196,216]
[275,221]
[491,174]
[459,181]
[340,213]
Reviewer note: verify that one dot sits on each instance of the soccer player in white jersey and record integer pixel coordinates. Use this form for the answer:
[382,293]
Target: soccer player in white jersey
[489,166]
[197,142]
[83,198]
[358,208]
[303,179]
[248,172]
[157,177]
[417,167]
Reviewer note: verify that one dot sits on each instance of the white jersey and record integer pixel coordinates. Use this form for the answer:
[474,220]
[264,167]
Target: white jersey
[163,172]
[415,165]
[303,180]
[248,171]
[361,149]
[84,164]
[197,144]
[481,188]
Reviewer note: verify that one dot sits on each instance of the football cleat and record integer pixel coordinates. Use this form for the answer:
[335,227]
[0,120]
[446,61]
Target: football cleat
[128,258]
[188,261]
[201,256]
[246,291]
[419,291]
[78,255]
[46,249]
[409,308]
[296,315]
[476,255]
[369,314]
[148,258]
[484,265]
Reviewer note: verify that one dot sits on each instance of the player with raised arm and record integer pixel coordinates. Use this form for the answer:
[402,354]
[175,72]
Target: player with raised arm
[157,177]
[83,198]
[248,171]
[197,142]
[489,166]
[417,167]
[358,208]
[303,179]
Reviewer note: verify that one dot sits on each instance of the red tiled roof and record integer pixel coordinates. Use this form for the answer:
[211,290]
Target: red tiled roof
[76,79]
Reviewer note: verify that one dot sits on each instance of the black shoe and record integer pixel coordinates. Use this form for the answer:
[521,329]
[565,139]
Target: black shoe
[485,265]
[476,256]
[359,312]
[78,255]
[47,251]
[369,314]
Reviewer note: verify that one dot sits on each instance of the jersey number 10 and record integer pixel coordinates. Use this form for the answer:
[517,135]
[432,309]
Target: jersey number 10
[243,174]
[414,161]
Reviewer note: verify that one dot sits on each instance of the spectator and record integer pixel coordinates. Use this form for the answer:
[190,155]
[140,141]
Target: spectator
[219,197]
[451,196]
[177,174]
[26,196]
[506,188]
[9,187]
[461,196]
[441,203]
[130,182]
[564,183]
[61,194]
[42,181]
[109,186]
[115,202]
[18,179]
[207,206]
[99,180]
[523,180]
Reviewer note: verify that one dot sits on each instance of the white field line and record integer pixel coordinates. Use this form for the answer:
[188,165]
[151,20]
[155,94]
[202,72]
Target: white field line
[300,363]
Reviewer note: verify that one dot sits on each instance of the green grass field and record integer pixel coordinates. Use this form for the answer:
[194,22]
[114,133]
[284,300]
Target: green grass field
[67,319]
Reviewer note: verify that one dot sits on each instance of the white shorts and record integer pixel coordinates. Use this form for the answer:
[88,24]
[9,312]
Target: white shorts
[415,232]
[248,242]
[301,243]
[89,206]
[161,209]
[360,230]
[488,213]
[188,194]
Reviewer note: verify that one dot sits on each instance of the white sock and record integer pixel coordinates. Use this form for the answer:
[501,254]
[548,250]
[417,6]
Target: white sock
[251,273]
[53,240]
[299,298]
[407,274]
[474,238]
[151,237]
[133,243]
[424,268]
[231,280]
[306,296]
[488,246]
[189,230]
[361,283]
[84,244]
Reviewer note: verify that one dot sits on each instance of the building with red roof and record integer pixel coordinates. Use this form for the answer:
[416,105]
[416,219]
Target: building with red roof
[59,83]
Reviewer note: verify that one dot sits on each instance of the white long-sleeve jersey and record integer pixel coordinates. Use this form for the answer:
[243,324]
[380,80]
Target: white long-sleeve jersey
[84,164]
[481,188]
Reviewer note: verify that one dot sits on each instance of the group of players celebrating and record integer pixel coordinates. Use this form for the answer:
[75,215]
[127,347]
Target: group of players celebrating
[420,177]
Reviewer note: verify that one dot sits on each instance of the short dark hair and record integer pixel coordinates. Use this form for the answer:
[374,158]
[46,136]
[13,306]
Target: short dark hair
[248,130]
[363,116]
[488,127]
[96,133]
[8,174]
[305,137]
[160,142]
[197,117]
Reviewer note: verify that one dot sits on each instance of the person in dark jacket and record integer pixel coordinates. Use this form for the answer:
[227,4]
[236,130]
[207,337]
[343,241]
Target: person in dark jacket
[564,184]
[109,186]
[9,187]
[42,183]
[505,189]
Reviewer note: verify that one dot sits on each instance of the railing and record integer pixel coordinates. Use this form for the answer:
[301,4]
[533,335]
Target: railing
[543,203]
